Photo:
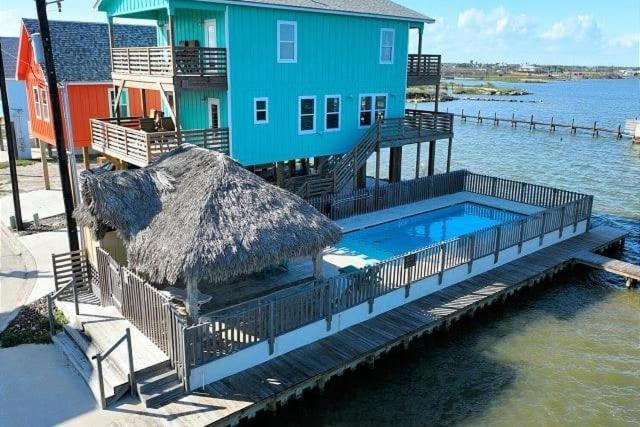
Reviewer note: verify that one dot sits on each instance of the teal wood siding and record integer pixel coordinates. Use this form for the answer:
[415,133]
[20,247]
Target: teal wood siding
[194,104]
[134,8]
[336,55]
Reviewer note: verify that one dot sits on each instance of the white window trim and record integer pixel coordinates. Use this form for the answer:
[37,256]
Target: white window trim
[255,111]
[326,113]
[373,107]
[112,90]
[393,45]
[295,43]
[315,114]
[45,105]
[206,24]
[37,107]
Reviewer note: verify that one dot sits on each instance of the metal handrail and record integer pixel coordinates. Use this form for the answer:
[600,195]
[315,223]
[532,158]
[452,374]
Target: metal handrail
[55,295]
[100,357]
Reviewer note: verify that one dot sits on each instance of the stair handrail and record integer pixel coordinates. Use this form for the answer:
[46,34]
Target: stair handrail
[54,296]
[100,357]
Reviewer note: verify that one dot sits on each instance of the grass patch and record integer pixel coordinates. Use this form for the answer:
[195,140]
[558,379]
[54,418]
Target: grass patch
[19,162]
[31,325]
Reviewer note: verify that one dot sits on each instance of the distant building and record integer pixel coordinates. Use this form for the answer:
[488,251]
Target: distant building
[17,94]
[528,68]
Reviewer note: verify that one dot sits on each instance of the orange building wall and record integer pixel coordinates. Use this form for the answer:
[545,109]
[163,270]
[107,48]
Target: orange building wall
[86,100]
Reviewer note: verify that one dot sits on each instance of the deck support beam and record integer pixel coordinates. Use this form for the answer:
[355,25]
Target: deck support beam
[395,164]
[449,147]
[191,303]
[85,158]
[45,165]
[432,158]
[418,147]
[361,177]
[317,266]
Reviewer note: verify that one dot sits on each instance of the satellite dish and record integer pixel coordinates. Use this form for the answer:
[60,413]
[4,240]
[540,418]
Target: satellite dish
[38,51]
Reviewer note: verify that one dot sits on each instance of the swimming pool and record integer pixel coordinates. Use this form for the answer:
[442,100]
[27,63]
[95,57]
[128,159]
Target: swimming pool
[383,241]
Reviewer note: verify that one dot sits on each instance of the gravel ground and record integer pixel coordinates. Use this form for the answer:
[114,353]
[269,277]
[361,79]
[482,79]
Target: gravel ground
[30,177]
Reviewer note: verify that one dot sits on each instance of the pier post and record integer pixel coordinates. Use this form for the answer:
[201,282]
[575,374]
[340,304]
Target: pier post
[395,164]
[432,158]
[45,165]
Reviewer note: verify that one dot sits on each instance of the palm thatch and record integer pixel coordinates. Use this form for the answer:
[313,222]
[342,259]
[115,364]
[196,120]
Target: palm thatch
[195,215]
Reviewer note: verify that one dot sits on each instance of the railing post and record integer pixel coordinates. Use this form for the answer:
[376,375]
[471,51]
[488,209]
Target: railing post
[52,324]
[575,216]
[542,227]
[328,309]
[272,327]
[497,245]
[472,250]
[132,371]
[561,222]
[521,237]
[103,400]
[443,254]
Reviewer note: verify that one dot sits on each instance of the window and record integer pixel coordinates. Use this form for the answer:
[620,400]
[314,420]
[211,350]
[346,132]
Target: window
[44,99]
[36,103]
[387,36]
[287,41]
[124,103]
[260,111]
[372,108]
[332,110]
[307,110]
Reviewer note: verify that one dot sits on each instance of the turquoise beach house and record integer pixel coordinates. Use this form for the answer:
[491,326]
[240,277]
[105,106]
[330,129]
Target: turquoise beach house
[301,92]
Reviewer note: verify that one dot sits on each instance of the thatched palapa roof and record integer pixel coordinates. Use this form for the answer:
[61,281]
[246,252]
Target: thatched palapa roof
[196,215]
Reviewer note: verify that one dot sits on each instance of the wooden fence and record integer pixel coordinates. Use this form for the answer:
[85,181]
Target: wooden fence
[234,328]
[423,69]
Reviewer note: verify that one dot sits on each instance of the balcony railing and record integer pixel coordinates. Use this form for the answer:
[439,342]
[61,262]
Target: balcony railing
[423,69]
[123,139]
[160,62]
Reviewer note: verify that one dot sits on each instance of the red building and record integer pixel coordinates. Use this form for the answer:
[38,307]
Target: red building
[83,65]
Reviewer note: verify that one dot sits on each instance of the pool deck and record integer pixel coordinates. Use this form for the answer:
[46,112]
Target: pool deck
[301,269]
[273,383]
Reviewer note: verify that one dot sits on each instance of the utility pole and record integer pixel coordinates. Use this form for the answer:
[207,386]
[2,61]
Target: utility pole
[11,147]
[56,114]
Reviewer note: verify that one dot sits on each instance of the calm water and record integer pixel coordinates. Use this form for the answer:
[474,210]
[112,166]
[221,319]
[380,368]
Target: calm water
[386,240]
[568,354]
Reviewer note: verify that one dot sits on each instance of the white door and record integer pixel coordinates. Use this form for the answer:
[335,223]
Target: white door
[210,33]
[214,113]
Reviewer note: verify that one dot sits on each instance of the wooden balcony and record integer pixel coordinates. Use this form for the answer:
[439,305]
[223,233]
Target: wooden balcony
[423,69]
[184,67]
[125,140]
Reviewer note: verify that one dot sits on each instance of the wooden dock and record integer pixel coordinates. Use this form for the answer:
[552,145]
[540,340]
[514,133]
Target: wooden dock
[265,387]
[551,125]
[630,272]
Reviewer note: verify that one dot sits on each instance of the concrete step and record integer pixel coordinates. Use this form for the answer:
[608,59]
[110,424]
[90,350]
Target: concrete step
[86,368]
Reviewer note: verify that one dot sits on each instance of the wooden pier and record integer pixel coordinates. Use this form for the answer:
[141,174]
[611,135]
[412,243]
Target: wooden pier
[552,125]
[630,272]
[272,384]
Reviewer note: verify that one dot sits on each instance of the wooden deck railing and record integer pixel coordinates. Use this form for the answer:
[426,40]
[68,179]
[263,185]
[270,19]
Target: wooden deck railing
[163,62]
[122,138]
[423,69]
[263,319]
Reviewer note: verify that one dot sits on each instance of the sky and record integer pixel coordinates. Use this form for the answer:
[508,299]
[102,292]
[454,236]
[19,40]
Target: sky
[568,32]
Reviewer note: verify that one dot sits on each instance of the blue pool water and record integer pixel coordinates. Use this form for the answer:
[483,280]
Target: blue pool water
[387,240]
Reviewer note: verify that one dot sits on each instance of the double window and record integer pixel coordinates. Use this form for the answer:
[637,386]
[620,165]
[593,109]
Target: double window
[307,114]
[37,107]
[372,108]
[260,110]
[287,41]
[332,112]
[124,103]
[44,99]
[387,40]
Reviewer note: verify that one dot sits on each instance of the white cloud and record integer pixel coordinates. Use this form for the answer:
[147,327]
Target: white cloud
[626,41]
[495,22]
[580,27]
